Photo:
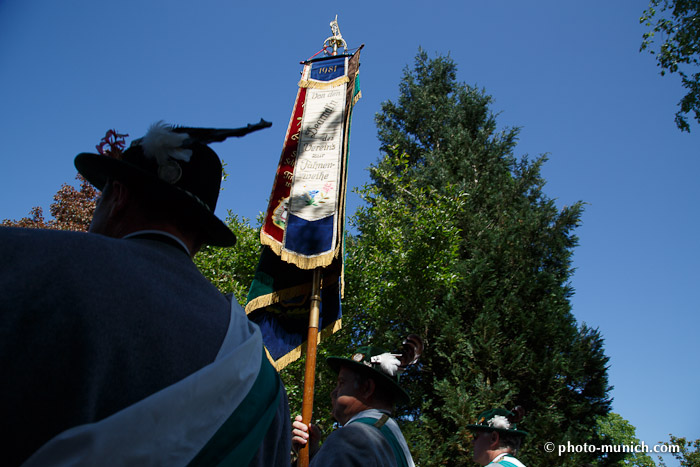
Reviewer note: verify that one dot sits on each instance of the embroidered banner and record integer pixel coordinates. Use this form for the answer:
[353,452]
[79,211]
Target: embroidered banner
[303,227]
[305,215]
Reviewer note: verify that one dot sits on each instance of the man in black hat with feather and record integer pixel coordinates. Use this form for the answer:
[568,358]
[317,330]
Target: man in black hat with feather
[363,401]
[114,348]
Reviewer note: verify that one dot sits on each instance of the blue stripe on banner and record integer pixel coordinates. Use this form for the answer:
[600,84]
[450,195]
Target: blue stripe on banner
[284,326]
[309,237]
[327,70]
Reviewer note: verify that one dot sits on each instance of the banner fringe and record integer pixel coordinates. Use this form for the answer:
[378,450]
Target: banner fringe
[275,297]
[313,84]
[288,358]
[274,245]
[305,262]
[295,354]
[357,97]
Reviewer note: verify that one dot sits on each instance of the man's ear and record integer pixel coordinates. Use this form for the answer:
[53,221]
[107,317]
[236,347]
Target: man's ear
[368,388]
[120,198]
[495,440]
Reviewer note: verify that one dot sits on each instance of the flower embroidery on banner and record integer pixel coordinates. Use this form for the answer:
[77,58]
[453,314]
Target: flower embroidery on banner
[311,197]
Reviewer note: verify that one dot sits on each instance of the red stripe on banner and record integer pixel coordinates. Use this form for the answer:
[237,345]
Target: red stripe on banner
[273,227]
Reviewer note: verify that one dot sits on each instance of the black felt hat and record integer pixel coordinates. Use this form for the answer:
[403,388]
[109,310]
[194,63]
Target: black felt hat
[382,366]
[176,163]
[368,360]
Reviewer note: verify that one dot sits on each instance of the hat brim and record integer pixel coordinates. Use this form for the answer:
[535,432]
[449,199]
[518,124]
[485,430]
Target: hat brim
[336,362]
[500,430]
[97,169]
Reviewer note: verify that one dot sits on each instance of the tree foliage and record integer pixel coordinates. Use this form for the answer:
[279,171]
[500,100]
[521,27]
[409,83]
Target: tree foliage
[72,209]
[689,451]
[458,243]
[231,270]
[615,431]
[676,23]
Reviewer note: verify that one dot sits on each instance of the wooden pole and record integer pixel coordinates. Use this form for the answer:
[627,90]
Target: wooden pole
[307,404]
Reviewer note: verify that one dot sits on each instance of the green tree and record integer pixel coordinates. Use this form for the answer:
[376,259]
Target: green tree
[231,270]
[459,244]
[616,431]
[688,454]
[677,24]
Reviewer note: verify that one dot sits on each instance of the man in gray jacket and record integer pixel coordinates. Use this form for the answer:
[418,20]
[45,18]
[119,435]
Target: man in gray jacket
[114,348]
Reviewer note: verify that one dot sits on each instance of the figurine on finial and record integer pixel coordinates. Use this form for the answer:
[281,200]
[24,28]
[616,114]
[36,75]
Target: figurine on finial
[336,40]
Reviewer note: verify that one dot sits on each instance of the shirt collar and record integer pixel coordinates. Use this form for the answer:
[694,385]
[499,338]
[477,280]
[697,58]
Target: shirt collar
[501,456]
[372,413]
[151,233]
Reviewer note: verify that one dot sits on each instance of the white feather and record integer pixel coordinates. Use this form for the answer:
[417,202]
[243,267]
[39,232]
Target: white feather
[388,363]
[499,421]
[162,143]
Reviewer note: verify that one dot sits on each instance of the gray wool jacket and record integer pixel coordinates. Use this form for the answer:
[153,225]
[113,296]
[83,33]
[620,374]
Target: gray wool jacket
[90,325]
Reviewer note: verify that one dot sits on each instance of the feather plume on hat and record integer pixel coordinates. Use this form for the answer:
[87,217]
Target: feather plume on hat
[162,143]
[518,414]
[388,363]
[412,349]
[499,421]
[396,363]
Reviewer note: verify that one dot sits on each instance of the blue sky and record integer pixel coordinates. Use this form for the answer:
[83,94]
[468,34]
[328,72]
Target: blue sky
[569,74]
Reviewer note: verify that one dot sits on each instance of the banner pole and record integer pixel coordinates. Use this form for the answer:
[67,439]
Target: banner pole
[307,404]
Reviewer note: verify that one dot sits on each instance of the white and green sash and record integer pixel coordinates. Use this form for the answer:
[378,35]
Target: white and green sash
[215,416]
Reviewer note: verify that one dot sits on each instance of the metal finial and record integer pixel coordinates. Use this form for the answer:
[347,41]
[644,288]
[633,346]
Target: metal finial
[336,40]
